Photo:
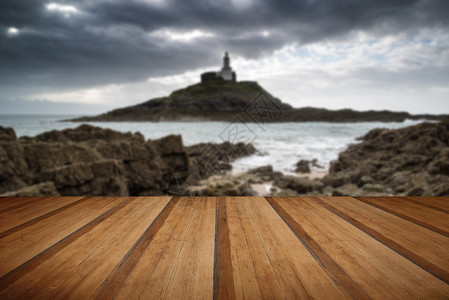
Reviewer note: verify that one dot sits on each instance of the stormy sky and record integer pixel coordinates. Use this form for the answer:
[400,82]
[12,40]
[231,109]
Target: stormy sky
[89,56]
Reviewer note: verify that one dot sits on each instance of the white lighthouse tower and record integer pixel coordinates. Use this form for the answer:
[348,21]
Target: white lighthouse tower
[225,74]
[226,71]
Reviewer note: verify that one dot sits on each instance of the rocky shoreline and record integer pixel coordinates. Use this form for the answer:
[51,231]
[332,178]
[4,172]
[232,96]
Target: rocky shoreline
[88,160]
[94,161]
[411,161]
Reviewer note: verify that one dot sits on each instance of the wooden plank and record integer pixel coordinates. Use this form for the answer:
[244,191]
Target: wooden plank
[27,254]
[407,239]
[78,276]
[11,203]
[437,203]
[242,265]
[151,276]
[20,219]
[137,279]
[378,270]
[223,279]
[30,208]
[334,271]
[186,266]
[160,278]
[46,277]
[22,245]
[286,252]
[103,247]
[117,277]
[275,276]
[202,281]
[426,217]
[117,249]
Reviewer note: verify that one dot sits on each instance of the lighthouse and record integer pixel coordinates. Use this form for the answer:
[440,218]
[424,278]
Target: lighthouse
[225,74]
[226,61]
[226,71]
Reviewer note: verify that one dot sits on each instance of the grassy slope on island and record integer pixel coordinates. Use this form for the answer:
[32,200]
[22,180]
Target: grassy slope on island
[224,101]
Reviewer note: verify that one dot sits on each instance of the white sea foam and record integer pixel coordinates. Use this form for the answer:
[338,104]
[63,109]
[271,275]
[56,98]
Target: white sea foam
[280,145]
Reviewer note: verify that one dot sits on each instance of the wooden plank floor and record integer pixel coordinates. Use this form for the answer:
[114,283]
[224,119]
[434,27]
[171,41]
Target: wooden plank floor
[224,248]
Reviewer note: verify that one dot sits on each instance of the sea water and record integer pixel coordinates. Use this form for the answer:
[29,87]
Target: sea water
[279,144]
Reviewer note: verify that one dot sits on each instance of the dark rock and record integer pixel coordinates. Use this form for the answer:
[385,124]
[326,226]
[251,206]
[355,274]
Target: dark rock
[347,190]
[94,161]
[407,161]
[365,180]
[264,170]
[7,134]
[302,185]
[84,133]
[302,166]
[336,179]
[209,159]
[440,163]
[375,188]
[228,186]
[327,191]
[262,174]
[286,193]
[42,189]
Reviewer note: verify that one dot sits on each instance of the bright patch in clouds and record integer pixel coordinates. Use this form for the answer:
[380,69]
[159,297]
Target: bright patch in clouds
[12,31]
[119,95]
[266,33]
[186,36]
[157,3]
[242,4]
[364,72]
[64,9]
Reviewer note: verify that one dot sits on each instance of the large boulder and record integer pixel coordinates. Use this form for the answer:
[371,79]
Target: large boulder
[301,185]
[209,159]
[7,134]
[302,166]
[261,174]
[228,186]
[407,161]
[89,160]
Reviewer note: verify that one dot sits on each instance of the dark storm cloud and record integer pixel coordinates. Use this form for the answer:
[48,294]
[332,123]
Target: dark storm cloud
[109,41]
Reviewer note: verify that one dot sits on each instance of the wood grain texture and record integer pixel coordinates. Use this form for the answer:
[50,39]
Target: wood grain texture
[377,269]
[391,241]
[40,211]
[117,277]
[223,277]
[224,248]
[11,203]
[412,211]
[334,271]
[95,252]
[295,270]
[192,274]
[437,203]
[41,257]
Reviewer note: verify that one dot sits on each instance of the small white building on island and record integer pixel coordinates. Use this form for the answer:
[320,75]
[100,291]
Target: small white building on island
[225,74]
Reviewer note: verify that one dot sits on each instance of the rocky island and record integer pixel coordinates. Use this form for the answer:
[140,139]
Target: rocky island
[220,97]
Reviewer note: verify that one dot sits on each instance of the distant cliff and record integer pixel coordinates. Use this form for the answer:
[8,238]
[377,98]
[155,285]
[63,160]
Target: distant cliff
[245,100]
